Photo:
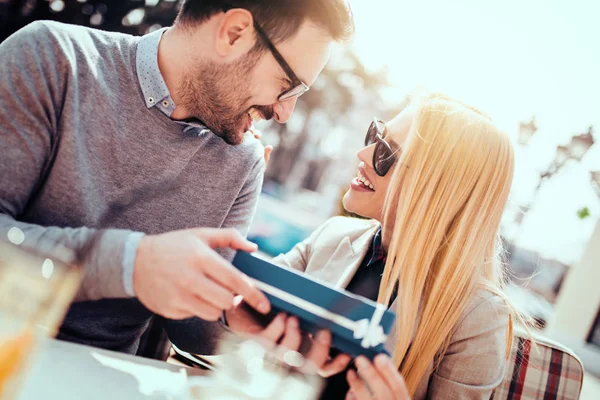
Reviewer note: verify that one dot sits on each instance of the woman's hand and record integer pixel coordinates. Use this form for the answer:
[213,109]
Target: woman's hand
[286,331]
[380,380]
[268,149]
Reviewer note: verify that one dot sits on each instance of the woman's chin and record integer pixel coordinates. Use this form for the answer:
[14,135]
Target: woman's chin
[356,205]
[351,204]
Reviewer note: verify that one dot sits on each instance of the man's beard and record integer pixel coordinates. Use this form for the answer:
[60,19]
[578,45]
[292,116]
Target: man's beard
[219,96]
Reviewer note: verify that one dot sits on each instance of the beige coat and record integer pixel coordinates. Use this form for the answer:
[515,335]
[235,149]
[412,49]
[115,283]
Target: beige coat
[474,364]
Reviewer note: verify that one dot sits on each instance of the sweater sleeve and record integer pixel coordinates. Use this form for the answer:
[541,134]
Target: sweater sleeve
[33,78]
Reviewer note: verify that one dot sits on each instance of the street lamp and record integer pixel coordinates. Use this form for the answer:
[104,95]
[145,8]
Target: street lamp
[560,157]
[580,144]
[526,131]
[575,150]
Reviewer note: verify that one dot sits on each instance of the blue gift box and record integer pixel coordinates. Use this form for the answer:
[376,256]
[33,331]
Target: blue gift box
[358,325]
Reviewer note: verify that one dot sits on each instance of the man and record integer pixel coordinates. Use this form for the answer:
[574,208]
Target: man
[108,141]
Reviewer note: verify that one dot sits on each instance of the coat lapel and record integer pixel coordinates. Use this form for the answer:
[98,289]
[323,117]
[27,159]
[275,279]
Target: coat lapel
[340,260]
[359,249]
[344,261]
[347,258]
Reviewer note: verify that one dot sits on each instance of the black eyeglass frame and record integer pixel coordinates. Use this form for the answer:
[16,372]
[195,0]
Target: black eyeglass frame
[383,154]
[298,88]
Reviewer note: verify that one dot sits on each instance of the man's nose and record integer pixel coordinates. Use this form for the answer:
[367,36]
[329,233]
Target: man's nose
[283,110]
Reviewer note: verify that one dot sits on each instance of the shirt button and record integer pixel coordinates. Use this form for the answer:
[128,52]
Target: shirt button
[150,99]
[165,103]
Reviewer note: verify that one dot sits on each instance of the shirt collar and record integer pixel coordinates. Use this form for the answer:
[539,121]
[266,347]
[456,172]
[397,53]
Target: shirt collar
[155,91]
[377,251]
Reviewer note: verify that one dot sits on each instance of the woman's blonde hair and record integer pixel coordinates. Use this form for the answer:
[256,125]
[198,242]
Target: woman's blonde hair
[445,202]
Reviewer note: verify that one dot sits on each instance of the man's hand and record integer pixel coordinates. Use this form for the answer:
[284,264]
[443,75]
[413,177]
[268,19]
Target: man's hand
[178,274]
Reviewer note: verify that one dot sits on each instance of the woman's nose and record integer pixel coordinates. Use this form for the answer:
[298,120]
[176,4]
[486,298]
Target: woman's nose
[366,155]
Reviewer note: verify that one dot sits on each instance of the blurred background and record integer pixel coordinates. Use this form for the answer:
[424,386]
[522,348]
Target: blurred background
[532,65]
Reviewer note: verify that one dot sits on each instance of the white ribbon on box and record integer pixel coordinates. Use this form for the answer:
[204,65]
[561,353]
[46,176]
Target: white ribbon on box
[370,331]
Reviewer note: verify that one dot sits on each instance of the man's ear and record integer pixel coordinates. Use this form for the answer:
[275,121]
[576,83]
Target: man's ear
[235,33]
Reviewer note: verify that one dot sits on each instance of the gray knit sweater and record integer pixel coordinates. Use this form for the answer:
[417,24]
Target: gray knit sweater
[80,151]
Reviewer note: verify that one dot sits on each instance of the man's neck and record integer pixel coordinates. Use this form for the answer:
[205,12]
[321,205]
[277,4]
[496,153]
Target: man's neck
[172,62]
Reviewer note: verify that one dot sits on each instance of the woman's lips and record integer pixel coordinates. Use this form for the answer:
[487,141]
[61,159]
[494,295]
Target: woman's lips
[359,187]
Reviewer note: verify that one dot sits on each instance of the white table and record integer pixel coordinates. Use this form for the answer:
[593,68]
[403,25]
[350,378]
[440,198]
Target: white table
[66,371]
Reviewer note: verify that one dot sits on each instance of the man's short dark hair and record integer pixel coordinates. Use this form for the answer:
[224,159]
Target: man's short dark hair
[280,19]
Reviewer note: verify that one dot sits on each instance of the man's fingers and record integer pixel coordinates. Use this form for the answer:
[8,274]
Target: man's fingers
[226,275]
[391,375]
[254,297]
[202,309]
[335,366]
[178,314]
[215,294]
[292,338]
[224,238]
[192,282]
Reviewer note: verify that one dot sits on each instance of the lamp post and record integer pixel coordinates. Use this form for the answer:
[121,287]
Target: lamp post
[526,131]
[580,144]
[574,150]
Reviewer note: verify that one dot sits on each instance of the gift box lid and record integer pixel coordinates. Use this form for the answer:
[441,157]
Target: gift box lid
[358,325]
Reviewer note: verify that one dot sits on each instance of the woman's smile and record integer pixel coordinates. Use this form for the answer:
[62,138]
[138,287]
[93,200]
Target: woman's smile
[361,183]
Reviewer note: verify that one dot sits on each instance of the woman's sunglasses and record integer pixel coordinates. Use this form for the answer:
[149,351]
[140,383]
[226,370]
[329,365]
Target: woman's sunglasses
[383,154]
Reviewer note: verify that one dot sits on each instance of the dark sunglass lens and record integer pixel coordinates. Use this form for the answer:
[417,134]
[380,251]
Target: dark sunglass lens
[371,135]
[383,159]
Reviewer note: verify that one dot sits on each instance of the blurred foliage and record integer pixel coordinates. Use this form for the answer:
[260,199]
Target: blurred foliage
[583,213]
[110,15]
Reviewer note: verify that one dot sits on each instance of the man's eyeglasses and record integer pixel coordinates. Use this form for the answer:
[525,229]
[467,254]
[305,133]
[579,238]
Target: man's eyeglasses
[297,88]
[383,154]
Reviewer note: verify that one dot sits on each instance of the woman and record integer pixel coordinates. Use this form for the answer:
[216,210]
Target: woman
[433,182]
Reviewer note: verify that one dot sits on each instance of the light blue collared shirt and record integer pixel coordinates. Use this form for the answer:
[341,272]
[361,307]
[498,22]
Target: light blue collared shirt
[156,94]
[155,91]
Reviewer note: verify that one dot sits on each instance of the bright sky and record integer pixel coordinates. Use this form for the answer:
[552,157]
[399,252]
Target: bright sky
[511,59]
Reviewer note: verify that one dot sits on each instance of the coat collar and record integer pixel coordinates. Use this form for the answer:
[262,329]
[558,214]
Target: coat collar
[351,255]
